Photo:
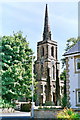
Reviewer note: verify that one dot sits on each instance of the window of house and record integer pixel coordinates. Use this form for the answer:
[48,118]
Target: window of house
[77,64]
[52,51]
[78,97]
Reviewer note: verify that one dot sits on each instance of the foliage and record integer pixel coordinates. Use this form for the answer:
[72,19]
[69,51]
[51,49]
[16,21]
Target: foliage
[16,67]
[26,107]
[64,101]
[35,95]
[6,104]
[63,77]
[67,114]
[49,103]
[69,44]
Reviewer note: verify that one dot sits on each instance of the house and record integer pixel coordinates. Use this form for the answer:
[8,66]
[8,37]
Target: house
[73,75]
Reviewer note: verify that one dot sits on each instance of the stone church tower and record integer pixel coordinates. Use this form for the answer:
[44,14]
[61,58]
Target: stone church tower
[47,67]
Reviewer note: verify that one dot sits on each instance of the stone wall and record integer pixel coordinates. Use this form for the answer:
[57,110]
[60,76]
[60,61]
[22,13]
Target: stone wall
[67,80]
[46,113]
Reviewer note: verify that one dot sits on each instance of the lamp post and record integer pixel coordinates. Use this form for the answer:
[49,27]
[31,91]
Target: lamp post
[32,89]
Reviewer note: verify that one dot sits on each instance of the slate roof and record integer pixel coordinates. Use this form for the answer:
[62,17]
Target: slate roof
[74,50]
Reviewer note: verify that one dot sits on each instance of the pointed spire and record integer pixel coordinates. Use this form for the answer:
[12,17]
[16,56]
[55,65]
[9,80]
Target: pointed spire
[47,32]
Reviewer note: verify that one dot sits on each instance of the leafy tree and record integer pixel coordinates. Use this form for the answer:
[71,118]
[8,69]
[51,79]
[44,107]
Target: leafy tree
[63,77]
[16,67]
[70,43]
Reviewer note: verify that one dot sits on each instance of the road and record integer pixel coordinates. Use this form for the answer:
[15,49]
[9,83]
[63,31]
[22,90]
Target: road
[16,116]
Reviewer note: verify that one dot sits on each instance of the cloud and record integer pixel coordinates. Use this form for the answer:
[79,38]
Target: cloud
[66,20]
[26,13]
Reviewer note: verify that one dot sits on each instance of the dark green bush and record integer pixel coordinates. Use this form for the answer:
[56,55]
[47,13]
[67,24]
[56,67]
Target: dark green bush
[6,104]
[49,103]
[64,102]
[26,107]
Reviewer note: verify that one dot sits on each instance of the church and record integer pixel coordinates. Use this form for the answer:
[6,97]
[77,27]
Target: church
[47,67]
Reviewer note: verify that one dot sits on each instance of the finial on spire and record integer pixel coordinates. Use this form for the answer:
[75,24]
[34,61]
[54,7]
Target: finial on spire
[47,32]
[46,11]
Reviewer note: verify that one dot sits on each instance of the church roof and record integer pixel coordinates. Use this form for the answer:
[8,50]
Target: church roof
[46,32]
[74,50]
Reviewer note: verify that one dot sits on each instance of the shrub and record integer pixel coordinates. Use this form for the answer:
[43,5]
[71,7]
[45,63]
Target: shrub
[49,103]
[40,107]
[68,114]
[64,102]
[6,104]
[26,107]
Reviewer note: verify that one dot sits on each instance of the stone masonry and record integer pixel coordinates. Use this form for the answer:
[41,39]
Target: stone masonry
[47,67]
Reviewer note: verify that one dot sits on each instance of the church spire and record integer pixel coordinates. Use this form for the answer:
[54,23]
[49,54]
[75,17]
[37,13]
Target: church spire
[46,32]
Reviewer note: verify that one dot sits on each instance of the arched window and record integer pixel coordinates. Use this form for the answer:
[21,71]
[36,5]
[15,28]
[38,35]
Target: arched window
[41,69]
[42,51]
[52,51]
[56,52]
[53,72]
[48,72]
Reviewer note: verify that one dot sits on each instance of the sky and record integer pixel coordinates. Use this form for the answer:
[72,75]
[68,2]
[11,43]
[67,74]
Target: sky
[28,17]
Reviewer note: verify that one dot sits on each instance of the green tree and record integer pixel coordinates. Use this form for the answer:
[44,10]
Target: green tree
[63,77]
[16,67]
[70,42]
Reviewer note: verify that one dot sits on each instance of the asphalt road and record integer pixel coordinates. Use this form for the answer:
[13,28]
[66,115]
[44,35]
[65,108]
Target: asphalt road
[16,116]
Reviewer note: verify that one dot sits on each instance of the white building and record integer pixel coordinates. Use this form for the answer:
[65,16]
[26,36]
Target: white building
[73,75]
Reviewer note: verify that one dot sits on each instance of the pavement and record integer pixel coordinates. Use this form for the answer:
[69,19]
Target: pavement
[16,113]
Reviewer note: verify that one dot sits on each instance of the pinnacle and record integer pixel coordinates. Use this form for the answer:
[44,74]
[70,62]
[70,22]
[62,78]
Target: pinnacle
[47,32]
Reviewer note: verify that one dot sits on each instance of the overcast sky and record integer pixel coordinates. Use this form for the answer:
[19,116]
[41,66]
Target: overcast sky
[29,18]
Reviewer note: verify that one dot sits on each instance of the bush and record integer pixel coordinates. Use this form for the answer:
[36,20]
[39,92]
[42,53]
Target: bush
[26,107]
[6,104]
[49,103]
[68,114]
[64,102]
